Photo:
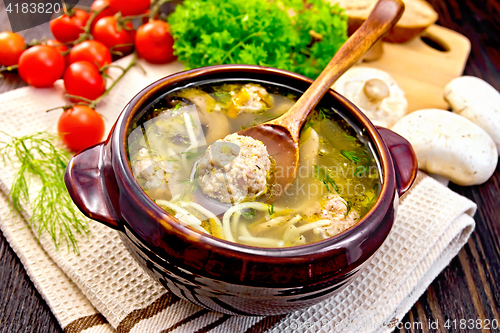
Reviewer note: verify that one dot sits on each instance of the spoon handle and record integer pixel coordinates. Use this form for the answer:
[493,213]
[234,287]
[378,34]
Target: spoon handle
[383,17]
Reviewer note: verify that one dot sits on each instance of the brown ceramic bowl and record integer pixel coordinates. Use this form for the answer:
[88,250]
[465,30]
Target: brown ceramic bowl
[220,275]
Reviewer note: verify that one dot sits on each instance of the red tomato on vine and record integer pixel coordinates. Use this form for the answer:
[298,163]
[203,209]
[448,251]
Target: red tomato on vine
[61,48]
[68,27]
[154,42]
[106,11]
[92,51]
[83,79]
[11,47]
[111,33]
[40,66]
[130,7]
[80,127]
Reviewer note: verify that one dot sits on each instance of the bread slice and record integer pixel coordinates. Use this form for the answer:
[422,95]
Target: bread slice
[418,15]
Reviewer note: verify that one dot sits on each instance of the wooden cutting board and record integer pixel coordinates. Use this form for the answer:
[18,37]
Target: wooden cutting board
[423,71]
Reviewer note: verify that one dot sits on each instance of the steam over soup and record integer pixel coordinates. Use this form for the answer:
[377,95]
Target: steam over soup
[183,153]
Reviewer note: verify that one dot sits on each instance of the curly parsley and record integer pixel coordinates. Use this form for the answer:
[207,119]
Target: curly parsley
[295,35]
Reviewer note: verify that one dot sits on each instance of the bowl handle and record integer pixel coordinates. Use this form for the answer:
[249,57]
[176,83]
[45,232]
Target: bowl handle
[86,184]
[403,158]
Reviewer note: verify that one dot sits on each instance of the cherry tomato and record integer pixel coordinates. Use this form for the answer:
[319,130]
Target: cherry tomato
[80,127]
[130,7]
[106,11]
[154,42]
[40,66]
[67,28]
[63,49]
[83,79]
[11,47]
[109,32]
[92,51]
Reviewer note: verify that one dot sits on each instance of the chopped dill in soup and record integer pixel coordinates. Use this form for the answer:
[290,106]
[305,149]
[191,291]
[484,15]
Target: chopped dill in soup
[185,153]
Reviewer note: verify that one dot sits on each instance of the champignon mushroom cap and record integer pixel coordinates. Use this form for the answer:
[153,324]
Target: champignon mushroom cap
[375,93]
[478,101]
[449,145]
[216,122]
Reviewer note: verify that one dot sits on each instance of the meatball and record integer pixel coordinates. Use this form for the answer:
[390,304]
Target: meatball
[151,171]
[234,168]
[336,210]
[251,98]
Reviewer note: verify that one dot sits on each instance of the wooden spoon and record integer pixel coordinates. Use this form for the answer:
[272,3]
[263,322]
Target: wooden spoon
[281,135]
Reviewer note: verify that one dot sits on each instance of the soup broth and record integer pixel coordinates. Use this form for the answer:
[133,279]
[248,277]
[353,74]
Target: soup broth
[182,154]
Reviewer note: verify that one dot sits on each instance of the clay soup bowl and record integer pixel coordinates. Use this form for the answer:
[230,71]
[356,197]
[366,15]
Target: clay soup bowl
[217,274]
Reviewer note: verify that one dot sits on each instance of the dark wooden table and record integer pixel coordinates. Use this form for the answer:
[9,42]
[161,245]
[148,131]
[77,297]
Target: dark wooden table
[468,289]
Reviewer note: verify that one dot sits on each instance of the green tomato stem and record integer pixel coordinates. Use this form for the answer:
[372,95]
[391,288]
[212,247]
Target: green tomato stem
[8,68]
[85,35]
[156,8]
[132,63]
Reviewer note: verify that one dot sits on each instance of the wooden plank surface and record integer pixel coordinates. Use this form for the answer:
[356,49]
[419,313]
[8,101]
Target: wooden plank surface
[468,289]
[421,70]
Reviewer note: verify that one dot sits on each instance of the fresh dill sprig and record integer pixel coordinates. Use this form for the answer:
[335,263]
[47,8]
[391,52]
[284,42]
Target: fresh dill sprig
[356,157]
[53,211]
[220,93]
[361,170]
[349,205]
[350,155]
[248,213]
[192,154]
[320,117]
[322,114]
[350,137]
[309,123]
[323,176]
[270,209]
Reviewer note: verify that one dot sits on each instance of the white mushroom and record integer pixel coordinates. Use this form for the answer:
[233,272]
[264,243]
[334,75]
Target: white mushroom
[449,145]
[216,122]
[309,147]
[375,92]
[477,101]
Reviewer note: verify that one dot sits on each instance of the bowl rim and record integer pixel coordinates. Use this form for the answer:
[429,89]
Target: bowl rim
[306,251]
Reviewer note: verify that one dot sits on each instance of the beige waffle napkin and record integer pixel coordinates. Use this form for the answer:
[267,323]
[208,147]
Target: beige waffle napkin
[104,290]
